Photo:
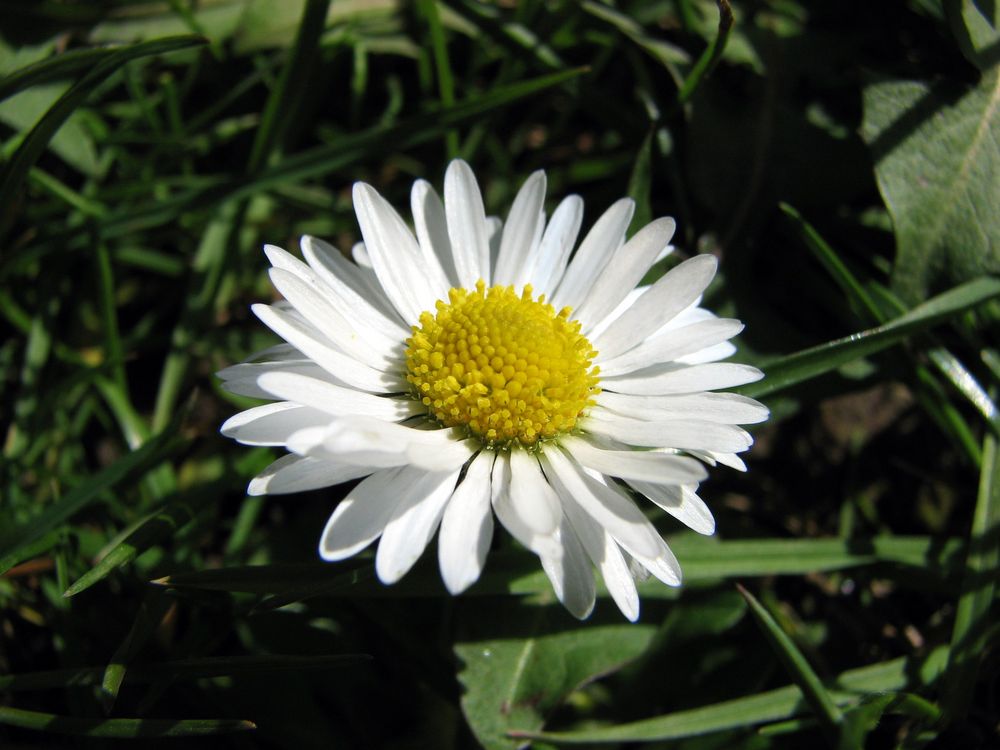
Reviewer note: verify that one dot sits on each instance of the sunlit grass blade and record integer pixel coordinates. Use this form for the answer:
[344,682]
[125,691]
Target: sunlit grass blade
[711,56]
[120,728]
[972,617]
[442,66]
[37,139]
[132,464]
[818,360]
[798,668]
[768,706]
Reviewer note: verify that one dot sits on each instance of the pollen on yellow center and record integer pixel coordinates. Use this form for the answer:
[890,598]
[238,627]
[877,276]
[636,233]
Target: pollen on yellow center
[506,367]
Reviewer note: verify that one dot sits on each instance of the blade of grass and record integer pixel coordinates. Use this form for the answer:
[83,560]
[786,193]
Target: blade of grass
[772,705]
[710,57]
[186,669]
[446,82]
[120,728]
[798,668]
[151,611]
[972,616]
[37,139]
[151,453]
[818,360]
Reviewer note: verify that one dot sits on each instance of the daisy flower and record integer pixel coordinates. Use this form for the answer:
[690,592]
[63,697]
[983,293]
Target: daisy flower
[474,368]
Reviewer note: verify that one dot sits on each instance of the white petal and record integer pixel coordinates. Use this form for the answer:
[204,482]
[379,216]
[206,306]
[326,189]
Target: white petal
[676,433]
[571,574]
[396,258]
[519,231]
[542,545]
[684,379]
[651,466]
[604,551]
[351,289]
[615,512]
[630,263]
[672,293]
[301,473]
[242,379]
[314,345]
[671,345]
[682,503]
[467,527]
[334,399]
[432,228]
[534,501]
[556,244]
[727,408]
[494,230]
[271,424]
[413,522]
[361,516]
[726,459]
[373,442]
[463,204]
[595,251]
[315,308]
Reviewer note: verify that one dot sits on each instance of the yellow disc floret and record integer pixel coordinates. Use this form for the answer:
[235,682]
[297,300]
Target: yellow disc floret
[506,367]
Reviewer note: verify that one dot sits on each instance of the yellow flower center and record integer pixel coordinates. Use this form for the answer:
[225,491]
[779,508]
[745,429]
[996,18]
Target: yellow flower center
[506,367]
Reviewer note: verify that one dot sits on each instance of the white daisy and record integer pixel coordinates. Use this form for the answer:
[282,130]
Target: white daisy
[479,368]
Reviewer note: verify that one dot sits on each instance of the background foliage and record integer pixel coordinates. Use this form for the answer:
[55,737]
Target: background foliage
[840,157]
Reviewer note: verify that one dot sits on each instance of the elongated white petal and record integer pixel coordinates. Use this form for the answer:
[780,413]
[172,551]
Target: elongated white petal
[682,502]
[615,512]
[555,246]
[570,573]
[652,466]
[242,379]
[726,459]
[313,344]
[467,527]
[728,408]
[396,257]
[431,223]
[360,517]
[673,292]
[271,424]
[543,545]
[292,473]
[534,501]
[316,309]
[671,345]
[413,522]
[607,556]
[627,267]
[519,231]
[463,205]
[350,289]
[680,433]
[683,379]
[595,251]
[334,399]
[373,442]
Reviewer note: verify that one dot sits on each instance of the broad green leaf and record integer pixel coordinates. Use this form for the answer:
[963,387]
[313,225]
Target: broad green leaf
[519,662]
[798,668]
[976,26]
[937,160]
[120,728]
[818,360]
[772,705]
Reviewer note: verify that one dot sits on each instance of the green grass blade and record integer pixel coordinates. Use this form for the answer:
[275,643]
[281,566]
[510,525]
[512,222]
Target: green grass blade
[287,94]
[132,464]
[37,139]
[798,668]
[120,728]
[53,69]
[772,705]
[183,669]
[442,65]
[972,618]
[711,56]
[818,360]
